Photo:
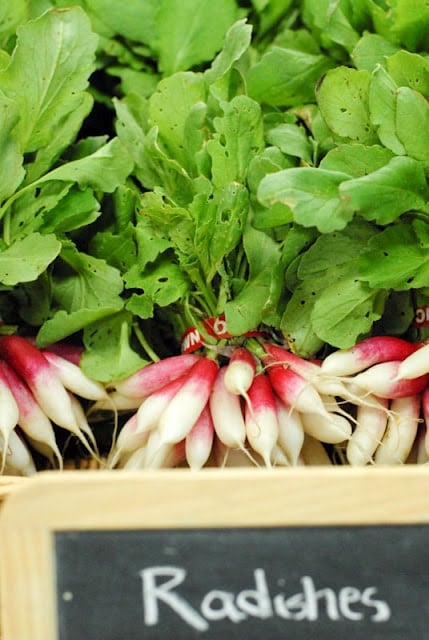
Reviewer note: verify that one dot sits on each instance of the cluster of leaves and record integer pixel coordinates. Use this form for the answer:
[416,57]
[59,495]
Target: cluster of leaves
[266,159]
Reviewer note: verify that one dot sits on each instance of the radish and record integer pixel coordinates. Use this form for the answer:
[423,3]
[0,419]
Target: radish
[425,414]
[19,461]
[155,375]
[313,453]
[160,454]
[72,353]
[132,460]
[74,379]
[199,441]
[152,407]
[187,404]
[418,453]
[367,353]
[33,421]
[304,368]
[240,371]
[291,431]
[382,380]
[309,369]
[128,440]
[330,428]
[262,427]
[414,365]
[295,391]
[422,456]
[43,381]
[371,425]
[278,457]
[117,402]
[401,431]
[9,415]
[227,413]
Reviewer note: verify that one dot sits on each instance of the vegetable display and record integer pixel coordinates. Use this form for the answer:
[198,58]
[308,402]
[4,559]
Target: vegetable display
[214,230]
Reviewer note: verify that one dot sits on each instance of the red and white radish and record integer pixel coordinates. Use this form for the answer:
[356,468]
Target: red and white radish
[424,401]
[199,441]
[329,428]
[152,407]
[262,427]
[227,413]
[74,379]
[305,368]
[414,365]
[128,440]
[371,423]
[240,371]
[291,432]
[313,453]
[295,391]
[153,376]
[382,380]
[187,404]
[368,352]
[18,459]
[33,421]
[401,431]
[43,381]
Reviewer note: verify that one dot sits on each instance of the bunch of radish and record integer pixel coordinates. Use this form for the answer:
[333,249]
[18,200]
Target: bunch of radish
[250,403]
[260,404]
[41,390]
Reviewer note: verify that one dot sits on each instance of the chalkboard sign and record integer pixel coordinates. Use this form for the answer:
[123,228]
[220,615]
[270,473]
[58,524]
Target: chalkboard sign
[244,584]
[238,554]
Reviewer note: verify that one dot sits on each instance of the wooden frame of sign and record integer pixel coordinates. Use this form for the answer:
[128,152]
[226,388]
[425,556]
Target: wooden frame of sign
[304,552]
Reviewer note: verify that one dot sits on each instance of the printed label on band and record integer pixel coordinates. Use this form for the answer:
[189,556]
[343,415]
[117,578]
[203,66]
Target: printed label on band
[215,327]
[421,316]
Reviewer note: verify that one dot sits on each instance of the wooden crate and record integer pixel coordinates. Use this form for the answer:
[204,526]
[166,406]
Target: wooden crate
[309,497]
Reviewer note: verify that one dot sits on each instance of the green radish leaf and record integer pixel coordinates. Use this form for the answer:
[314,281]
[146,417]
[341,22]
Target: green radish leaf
[239,137]
[356,160]
[162,285]
[296,322]
[258,298]
[11,157]
[371,51]
[191,31]
[345,310]
[412,123]
[395,259]
[134,20]
[342,96]
[292,140]
[34,299]
[119,249]
[82,282]
[411,23]
[409,70]
[171,106]
[219,223]
[312,195]
[108,356]
[382,106]
[48,72]
[286,77]
[105,169]
[26,259]
[236,43]
[385,194]
[12,14]
[63,324]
